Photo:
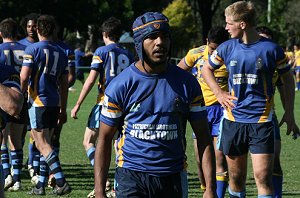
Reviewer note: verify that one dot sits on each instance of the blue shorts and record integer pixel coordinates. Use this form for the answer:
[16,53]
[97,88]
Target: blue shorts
[297,69]
[237,138]
[214,117]
[94,117]
[142,185]
[276,127]
[43,117]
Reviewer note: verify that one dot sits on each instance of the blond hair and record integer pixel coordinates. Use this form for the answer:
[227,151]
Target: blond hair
[242,11]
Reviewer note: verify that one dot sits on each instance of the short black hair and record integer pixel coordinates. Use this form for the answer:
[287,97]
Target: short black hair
[46,25]
[9,28]
[217,34]
[265,30]
[112,26]
[28,17]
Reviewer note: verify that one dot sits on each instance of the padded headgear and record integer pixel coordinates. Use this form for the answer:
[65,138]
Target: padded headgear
[145,25]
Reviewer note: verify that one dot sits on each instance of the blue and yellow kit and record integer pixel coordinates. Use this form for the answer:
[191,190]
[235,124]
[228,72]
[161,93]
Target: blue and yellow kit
[109,61]
[11,53]
[48,62]
[251,68]
[154,109]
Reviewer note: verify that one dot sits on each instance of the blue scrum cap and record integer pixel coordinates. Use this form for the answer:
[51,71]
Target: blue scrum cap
[145,25]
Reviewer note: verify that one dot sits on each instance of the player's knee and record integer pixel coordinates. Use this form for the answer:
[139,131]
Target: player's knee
[238,178]
[263,177]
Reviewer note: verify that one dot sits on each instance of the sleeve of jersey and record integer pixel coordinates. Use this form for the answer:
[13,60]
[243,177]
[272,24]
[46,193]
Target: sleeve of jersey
[97,60]
[111,111]
[190,59]
[197,105]
[282,61]
[215,59]
[71,58]
[28,57]
[13,81]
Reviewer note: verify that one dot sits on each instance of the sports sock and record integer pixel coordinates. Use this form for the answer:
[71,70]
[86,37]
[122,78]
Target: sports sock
[36,159]
[222,183]
[91,154]
[233,194]
[264,196]
[17,163]
[44,173]
[277,185]
[5,160]
[298,85]
[54,165]
[30,151]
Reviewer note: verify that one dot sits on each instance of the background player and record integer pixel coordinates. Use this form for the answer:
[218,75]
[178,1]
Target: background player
[108,61]
[194,61]
[44,70]
[11,54]
[247,123]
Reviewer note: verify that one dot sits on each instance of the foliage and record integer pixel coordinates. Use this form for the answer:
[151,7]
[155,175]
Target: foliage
[182,25]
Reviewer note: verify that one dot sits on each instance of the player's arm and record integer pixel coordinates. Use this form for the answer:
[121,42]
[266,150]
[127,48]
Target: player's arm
[183,65]
[206,155]
[88,84]
[11,100]
[71,76]
[63,90]
[289,97]
[103,158]
[224,98]
[24,78]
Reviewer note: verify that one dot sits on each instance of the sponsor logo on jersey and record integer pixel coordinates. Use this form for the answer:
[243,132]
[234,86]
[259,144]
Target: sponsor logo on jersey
[233,63]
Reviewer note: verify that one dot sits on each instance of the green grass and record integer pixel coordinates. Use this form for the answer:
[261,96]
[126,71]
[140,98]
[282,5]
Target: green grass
[79,173]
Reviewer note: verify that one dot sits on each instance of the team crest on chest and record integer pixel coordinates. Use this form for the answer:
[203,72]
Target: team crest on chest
[156,25]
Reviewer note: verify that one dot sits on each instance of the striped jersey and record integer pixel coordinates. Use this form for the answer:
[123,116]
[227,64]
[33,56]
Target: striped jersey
[152,111]
[195,59]
[109,61]
[251,68]
[48,62]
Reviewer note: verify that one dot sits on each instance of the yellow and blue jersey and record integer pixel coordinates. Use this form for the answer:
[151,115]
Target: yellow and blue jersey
[25,42]
[109,61]
[69,52]
[11,53]
[196,58]
[297,58]
[152,111]
[251,69]
[48,62]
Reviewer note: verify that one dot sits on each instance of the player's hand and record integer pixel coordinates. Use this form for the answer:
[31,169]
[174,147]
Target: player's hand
[74,111]
[62,118]
[225,99]
[292,127]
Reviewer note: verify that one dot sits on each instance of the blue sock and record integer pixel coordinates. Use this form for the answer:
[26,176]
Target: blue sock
[44,173]
[30,152]
[298,85]
[54,165]
[222,183]
[277,185]
[5,160]
[233,194]
[17,163]
[36,159]
[91,154]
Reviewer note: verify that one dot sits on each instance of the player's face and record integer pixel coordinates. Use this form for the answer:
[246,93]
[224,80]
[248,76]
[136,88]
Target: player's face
[233,28]
[211,47]
[156,48]
[31,29]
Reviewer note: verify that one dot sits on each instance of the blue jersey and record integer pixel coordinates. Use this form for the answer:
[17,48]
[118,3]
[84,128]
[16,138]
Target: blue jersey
[25,42]
[11,53]
[153,111]
[9,77]
[109,61]
[78,55]
[251,68]
[48,62]
[69,52]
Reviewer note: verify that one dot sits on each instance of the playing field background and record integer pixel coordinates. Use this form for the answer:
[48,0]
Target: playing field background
[79,172]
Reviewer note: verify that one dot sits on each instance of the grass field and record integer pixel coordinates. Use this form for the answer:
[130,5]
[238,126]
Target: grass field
[79,172]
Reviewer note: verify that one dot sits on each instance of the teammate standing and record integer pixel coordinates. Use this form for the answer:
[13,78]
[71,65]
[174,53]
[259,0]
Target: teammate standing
[108,61]
[44,70]
[251,62]
[151,106]
[193,62]
[11,54]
